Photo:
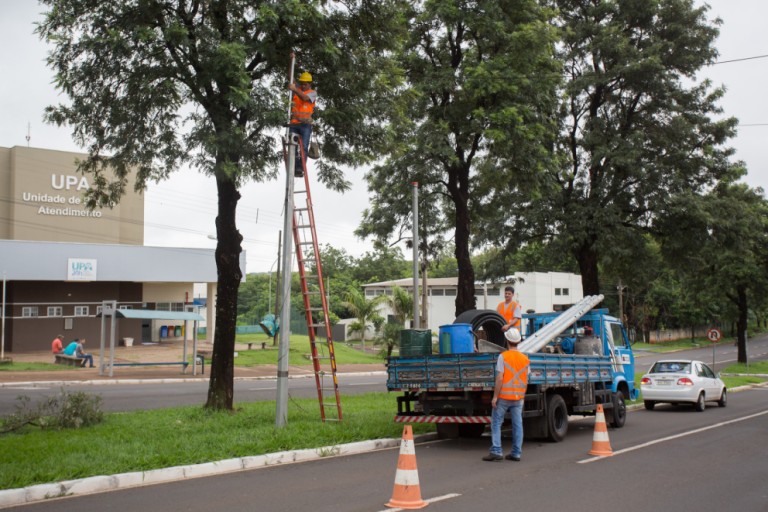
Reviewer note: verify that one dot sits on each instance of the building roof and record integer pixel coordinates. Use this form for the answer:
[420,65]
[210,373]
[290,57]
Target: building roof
[23,260]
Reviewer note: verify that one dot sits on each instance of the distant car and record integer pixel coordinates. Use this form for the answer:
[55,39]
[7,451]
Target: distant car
[677,381]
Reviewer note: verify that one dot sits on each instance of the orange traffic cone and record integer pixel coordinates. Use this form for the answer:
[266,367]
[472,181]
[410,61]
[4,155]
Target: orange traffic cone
[407,493]
[601,446]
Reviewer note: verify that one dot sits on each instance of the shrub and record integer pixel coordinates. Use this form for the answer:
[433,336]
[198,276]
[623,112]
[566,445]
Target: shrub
[66,410]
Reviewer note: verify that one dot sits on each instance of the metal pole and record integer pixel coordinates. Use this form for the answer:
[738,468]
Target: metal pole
[290,141]
[277,288]
[415,185]
[2,335]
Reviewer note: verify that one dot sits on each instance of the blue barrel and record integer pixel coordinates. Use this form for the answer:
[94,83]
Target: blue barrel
[456,339]
[164,331]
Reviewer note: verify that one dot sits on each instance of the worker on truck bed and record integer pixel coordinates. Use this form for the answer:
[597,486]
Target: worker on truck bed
[510,310]
[512,371]
[304,98]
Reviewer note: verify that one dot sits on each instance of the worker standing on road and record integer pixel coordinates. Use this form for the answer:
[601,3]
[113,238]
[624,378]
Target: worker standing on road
[512,371]
[304,98]
[510,310]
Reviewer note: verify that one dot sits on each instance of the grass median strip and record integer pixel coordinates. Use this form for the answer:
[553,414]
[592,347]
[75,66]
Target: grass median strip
[144,440]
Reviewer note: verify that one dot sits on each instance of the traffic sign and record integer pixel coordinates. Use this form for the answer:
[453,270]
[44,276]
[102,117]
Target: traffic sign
[714,335]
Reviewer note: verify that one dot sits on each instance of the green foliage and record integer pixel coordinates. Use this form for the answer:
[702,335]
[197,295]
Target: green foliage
[66,410]
[189,435]
[476,114]
[389,337]
[363,309]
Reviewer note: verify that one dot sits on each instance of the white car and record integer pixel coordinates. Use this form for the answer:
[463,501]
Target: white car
[678,381]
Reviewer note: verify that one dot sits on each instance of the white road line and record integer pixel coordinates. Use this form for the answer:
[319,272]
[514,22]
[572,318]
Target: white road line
[22,388]
[684,434]
[431,500]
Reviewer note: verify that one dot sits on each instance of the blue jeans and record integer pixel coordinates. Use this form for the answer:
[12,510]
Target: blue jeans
[305,132]
[87,358]
[515,408]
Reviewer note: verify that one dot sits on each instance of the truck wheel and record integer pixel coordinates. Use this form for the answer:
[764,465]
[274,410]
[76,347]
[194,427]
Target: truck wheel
[471,430]
[649,404]
[618,414]
[557,418]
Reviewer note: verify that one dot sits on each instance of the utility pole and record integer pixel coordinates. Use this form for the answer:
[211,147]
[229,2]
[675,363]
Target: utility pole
[290,141]
[620,288]
[415,241]
[277,288]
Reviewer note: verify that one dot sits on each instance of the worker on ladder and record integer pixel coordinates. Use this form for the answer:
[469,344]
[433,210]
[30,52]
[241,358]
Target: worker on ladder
[304,98]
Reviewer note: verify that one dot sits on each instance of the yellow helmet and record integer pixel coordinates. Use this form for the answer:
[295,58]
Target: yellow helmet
[305,77]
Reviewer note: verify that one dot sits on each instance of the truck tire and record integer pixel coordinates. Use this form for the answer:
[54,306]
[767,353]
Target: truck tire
[471,430]
[490,320]
[557,418]
[649,404]
[618,415]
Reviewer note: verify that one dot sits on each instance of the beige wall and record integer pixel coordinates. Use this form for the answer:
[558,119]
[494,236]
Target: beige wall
[5,199]
[45,202]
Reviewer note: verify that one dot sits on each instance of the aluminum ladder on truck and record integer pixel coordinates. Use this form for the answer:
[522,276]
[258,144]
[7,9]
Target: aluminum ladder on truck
[553,329]
[315,303]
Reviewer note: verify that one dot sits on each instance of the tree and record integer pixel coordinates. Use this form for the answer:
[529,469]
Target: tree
[363,309]
[478,107]
[401,303]
[636,129]
[156,84]
[720,242]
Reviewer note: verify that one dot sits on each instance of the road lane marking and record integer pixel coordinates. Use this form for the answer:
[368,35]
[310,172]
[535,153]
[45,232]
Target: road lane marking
[431,500]
[684,434]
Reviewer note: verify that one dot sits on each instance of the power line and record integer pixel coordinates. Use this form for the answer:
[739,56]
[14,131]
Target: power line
[739,60]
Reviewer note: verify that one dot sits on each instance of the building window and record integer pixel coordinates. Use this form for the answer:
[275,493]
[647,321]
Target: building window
[169,306]
[450,292]
[81,310]
[125,307]
[369,292]
[558,291]
[565,291]
[54,310]
[29,311]
[437,292]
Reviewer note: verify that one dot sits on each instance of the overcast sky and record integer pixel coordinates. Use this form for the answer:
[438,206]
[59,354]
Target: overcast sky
[181,210]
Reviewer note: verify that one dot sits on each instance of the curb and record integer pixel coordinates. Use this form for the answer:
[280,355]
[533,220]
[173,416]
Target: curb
[175,380]
[104,483]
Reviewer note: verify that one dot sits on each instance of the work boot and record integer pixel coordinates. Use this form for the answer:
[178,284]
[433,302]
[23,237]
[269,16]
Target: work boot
[492,457]
[298,173]
[512,457]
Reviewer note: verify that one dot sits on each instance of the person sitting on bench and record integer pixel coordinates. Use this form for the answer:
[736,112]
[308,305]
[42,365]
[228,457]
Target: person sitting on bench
[56,346]
[75,348]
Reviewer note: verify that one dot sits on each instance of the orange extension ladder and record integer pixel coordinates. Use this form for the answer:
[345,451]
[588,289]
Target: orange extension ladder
[315,301]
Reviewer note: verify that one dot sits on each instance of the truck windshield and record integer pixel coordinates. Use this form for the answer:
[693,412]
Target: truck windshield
[617,334]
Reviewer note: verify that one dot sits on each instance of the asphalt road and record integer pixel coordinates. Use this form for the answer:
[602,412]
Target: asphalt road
[153,395]
[672,458]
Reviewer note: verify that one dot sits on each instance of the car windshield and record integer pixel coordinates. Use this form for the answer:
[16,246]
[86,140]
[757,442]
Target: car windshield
[671,367]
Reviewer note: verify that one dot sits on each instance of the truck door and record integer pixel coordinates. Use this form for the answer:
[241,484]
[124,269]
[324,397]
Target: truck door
[622,356]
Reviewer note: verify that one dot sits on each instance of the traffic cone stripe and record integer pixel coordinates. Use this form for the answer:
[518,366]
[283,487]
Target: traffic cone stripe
[407,447]
[407,477]
[601,436]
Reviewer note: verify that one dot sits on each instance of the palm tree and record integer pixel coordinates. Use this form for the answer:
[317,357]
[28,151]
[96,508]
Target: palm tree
[401,303]
[363,309]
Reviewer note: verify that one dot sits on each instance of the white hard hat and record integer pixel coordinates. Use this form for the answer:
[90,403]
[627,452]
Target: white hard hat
[513,335]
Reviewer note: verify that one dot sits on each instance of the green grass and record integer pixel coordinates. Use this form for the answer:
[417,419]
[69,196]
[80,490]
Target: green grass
[299,350]
[23,367]
[144,440]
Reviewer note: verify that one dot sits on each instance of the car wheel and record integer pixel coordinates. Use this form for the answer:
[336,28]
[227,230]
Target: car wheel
[723,399]
[649,404]
[700,405]
[557,418]
[619,411]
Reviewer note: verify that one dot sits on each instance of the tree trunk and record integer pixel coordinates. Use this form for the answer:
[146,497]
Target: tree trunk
[465,296]
[741,323]
[586,255]
[228,249]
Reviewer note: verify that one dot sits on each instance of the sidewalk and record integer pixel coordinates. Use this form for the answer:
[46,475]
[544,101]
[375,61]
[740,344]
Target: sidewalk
[169,351]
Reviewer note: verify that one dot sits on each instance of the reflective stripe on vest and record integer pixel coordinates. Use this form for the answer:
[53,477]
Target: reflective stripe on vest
[515,378]
[301,111]
[508,312]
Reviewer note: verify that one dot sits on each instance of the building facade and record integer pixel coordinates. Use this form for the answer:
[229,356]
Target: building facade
[59,261]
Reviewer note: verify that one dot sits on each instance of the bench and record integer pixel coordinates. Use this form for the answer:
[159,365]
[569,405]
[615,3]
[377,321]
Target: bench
[263,344]
[67,360]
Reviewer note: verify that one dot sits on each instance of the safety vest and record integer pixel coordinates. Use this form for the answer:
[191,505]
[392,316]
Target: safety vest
[508,312]
[515,378]
[301,111]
